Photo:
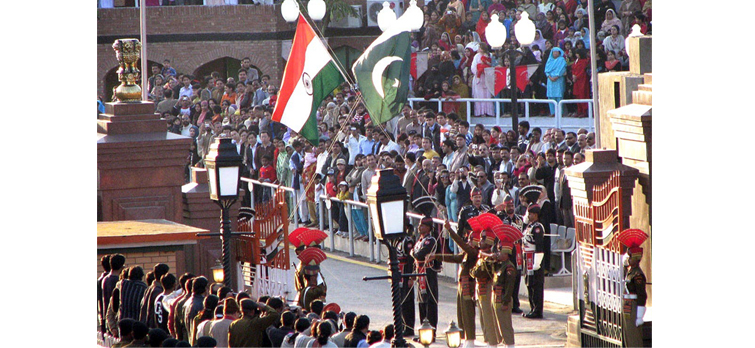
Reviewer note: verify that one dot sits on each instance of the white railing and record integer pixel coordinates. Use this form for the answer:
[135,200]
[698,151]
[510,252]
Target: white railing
[273,188]
[558,119]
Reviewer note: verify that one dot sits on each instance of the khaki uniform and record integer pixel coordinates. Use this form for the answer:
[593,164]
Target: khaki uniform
[483,272]
[249,331]
[503,290]
[465,304]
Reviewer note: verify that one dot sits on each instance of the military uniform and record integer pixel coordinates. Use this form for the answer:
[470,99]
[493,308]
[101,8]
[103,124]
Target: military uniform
[504,284]
[249,331]
[515,257]
[428,284]
[468,212]
[483,271]
[534,241]
[635,294]
[406,265]
[465,304]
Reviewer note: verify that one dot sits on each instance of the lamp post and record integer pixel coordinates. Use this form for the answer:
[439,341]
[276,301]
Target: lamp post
[290,10]
[316,9]
[386,16]
[426,333]
[224,171]
[524,30]
[415,16]
[453,335]
[387,201]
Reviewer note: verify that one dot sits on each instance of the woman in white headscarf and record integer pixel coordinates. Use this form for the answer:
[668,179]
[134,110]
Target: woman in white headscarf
[479,87]
[611,20]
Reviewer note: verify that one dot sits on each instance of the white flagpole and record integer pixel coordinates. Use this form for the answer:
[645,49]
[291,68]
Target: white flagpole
[143,30]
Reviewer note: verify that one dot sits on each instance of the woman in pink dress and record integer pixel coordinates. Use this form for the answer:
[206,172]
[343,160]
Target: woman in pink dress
[479,88]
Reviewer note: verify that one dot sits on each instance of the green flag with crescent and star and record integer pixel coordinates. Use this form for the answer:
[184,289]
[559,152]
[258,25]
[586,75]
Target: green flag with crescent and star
[382,72]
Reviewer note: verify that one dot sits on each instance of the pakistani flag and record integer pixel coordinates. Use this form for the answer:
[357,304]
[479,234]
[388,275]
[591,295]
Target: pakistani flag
[310,75]
[382,72]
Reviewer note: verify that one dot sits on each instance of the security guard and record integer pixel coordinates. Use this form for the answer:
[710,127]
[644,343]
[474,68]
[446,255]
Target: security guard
[422,253]
[470,211]
[406,265]
[636,295]
[534,249]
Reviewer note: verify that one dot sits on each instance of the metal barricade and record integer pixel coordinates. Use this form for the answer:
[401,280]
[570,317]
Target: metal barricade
[351,205]
[273,188]
[558,122]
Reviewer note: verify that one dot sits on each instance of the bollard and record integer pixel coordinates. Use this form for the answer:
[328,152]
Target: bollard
[371,240]
[351,232]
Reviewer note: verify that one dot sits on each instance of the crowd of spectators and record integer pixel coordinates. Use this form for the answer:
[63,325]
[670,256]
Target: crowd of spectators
[437,153]
[160,310]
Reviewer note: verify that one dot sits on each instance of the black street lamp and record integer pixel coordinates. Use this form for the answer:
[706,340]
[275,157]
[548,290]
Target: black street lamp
[388,202]
[223,165]
[524,31]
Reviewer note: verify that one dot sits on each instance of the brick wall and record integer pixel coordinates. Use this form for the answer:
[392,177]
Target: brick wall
[186,53]
[146,260]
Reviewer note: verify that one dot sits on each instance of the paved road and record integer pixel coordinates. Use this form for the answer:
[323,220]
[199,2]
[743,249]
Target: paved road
[345,287]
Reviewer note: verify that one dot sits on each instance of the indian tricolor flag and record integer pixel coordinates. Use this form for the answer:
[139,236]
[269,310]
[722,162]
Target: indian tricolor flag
[311,74]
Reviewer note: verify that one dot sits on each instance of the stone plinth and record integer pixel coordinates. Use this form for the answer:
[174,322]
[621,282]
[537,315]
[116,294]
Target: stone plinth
[640,54]
[140,165]
[198,209]
[616,90]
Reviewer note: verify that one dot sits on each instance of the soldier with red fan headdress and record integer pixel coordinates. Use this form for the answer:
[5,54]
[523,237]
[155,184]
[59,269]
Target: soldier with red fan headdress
[505,280]
[303,239]
[484,271]
[311,258]
[508,215]
[636,295]
[465,304]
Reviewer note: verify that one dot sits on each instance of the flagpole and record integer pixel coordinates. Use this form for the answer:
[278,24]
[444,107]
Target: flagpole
[339,65]
[594,72]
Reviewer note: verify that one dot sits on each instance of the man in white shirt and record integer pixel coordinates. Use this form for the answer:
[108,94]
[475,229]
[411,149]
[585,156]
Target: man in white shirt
[387,145]
[186,88]
[322,157]
[186,126]
[352,143]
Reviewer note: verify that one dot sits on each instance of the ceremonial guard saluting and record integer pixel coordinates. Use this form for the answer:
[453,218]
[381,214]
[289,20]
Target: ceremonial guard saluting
[293,239]
[304,239]
[483,272]
[534,248]
[504,280]
[635,296]
[422,253]
[465,305]
[509,217]
[406,265]
[314,289]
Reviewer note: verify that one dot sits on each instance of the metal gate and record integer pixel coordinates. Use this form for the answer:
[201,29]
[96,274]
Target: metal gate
[264,255]
[599,264]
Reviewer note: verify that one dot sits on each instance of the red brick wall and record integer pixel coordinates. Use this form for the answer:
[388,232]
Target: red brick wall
[187,56]
[146,260]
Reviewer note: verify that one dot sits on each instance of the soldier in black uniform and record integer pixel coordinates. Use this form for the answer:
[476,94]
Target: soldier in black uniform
[470,211]
[406,265]
[509,217]
[635,296]
[534,242]
[428,285]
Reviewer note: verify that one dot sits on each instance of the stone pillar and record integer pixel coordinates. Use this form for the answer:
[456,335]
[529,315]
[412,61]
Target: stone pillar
[140,166]
[598,167]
